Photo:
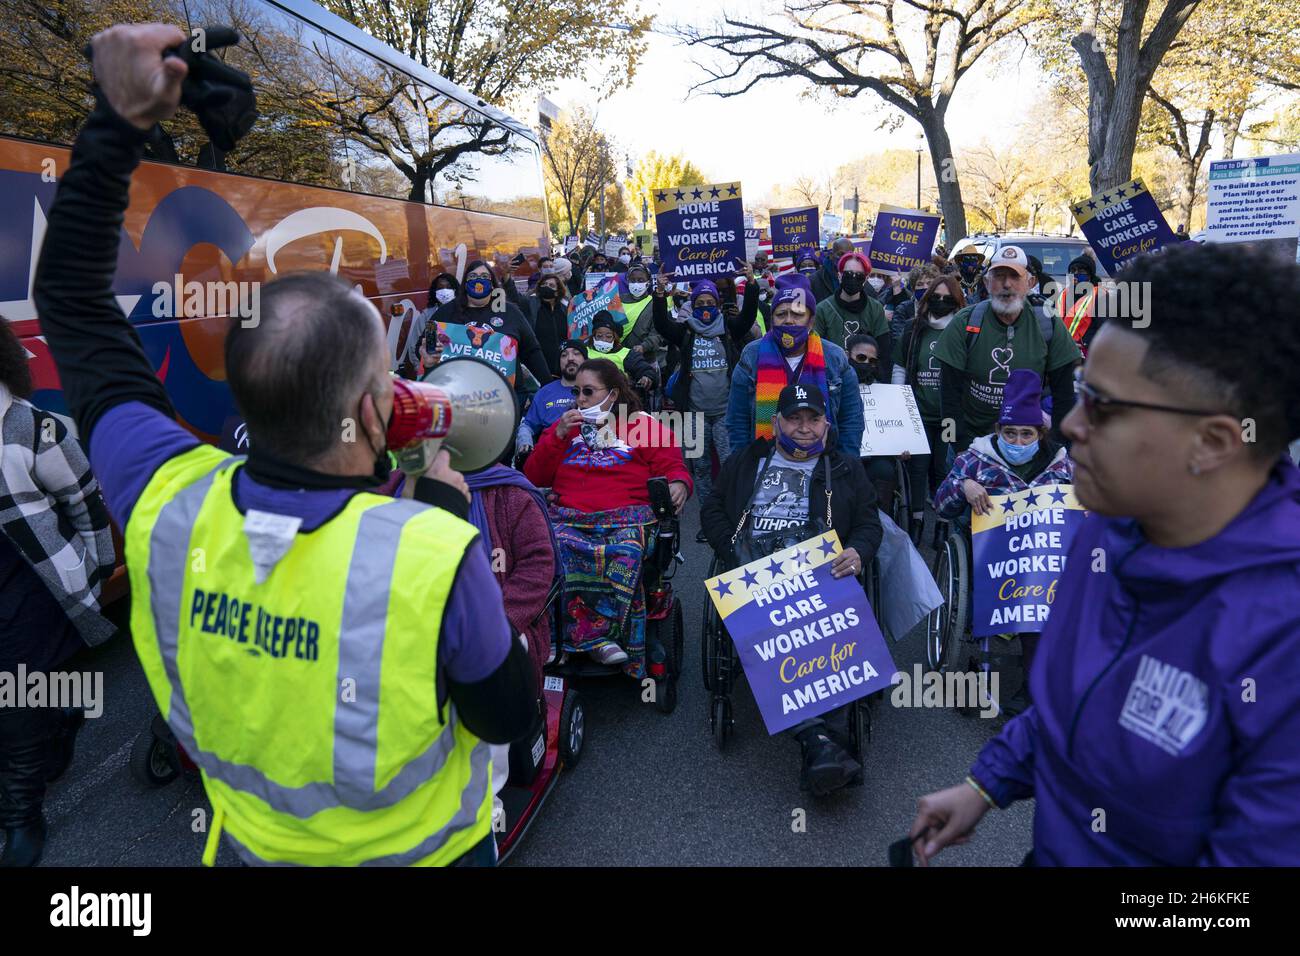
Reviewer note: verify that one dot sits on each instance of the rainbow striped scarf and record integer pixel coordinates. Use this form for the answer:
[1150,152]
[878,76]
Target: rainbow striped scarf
[774,374]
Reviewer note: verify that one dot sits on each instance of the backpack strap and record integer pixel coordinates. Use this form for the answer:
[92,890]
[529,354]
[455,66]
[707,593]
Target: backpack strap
[974,323]
[1045,324]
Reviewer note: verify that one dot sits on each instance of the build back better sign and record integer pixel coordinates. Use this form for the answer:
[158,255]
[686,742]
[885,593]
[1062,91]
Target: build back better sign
[1019,549]
[808,641]
[701,230]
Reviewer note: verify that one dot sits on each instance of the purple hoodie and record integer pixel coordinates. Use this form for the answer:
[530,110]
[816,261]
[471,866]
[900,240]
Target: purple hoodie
[1167,694]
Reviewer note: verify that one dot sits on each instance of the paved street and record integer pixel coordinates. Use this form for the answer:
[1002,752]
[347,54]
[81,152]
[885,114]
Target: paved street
[650,789]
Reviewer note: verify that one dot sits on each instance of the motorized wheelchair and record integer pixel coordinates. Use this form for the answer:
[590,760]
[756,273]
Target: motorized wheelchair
[723,670]
[665,632]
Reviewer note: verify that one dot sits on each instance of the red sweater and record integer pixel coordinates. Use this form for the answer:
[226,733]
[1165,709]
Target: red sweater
[607,478]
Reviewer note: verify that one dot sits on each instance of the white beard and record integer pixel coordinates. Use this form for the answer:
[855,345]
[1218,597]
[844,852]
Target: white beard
[1012,308]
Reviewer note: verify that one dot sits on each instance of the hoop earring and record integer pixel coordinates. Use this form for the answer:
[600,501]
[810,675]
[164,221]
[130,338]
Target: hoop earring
[1194,468]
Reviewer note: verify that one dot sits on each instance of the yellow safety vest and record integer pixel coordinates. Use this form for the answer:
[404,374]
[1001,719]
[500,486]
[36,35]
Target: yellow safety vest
[308,700]
[615,357]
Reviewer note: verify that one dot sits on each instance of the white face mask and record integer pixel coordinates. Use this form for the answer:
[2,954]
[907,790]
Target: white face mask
[444,295]
[638,289]
[602,346]
[876,282]
[625,259]
[594,414]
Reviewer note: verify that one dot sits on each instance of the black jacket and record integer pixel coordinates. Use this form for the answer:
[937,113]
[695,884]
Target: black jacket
[550,321]
[853,500]
[682,336]
[513,324]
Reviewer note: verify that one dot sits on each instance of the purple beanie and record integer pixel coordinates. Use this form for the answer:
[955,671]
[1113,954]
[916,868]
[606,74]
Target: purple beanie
[704,287]
[794,287]
[1021,399]
[807,252]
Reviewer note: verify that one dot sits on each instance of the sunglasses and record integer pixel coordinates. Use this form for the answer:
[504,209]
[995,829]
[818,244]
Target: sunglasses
[1098,407]
[863,360]
[587,391]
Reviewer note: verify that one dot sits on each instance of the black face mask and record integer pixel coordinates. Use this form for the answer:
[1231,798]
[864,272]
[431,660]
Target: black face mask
[548,293]
[941,305]
[866,373]
[852,282]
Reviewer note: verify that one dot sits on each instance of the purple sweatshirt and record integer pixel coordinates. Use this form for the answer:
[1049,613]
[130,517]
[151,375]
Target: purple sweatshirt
[1166,723]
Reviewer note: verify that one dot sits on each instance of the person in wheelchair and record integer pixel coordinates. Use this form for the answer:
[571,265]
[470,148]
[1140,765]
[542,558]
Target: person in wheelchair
[1018,455]
[774,493]
[597,460]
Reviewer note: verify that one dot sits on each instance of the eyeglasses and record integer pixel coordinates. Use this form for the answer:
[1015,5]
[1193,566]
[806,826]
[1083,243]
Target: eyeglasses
[587,391]
[1098,407]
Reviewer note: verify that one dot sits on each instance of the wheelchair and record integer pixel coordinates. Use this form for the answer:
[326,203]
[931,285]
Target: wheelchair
[665,632]
[950,646]
[723,670]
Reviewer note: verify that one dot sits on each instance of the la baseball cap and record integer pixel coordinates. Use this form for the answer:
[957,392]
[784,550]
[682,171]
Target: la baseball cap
[1010,257]
[797,396]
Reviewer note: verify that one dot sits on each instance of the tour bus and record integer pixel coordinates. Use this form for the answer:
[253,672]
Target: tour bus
[362,162]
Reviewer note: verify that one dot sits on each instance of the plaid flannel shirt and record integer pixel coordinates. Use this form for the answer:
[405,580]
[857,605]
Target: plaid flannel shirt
[982,463]
[51,509]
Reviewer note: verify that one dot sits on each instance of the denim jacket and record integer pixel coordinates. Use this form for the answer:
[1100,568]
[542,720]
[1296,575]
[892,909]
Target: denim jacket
[844,408]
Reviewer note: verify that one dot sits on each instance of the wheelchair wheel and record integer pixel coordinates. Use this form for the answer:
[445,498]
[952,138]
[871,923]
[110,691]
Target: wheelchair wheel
[898,508]
[573,729]
[673,642]
[153,761]
[709,629]
[721,721]
[957,597]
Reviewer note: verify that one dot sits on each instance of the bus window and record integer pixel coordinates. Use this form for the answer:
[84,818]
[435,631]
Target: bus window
[379,110]
[295,138]
[45,78]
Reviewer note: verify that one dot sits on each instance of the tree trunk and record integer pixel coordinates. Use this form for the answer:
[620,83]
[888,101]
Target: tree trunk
[1231,127]
[945,175]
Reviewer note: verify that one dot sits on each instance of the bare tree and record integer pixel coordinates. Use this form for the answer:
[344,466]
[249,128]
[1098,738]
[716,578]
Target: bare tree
[578,162]
[850,47]
[1115,98]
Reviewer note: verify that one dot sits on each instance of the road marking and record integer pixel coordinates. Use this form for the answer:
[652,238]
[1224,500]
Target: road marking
[67,801]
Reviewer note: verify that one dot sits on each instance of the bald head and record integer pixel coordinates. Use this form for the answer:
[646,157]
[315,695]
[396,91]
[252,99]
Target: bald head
[842,246]
[317,348]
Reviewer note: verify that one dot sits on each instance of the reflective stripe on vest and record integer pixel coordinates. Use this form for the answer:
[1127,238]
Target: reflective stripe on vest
[380,610]
[1079,317]
[361,641]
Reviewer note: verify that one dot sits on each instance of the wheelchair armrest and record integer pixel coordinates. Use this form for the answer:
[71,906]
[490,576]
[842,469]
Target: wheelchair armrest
[661,499]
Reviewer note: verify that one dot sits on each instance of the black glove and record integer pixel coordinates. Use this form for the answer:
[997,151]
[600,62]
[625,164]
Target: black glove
[219,95]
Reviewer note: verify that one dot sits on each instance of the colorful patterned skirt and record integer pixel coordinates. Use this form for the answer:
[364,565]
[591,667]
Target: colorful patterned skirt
[602,553]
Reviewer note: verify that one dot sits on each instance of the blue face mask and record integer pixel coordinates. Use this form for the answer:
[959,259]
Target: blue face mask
[704,314]
[798,450]
[1017,454]
[919,294]
[1081,277]
[477,287]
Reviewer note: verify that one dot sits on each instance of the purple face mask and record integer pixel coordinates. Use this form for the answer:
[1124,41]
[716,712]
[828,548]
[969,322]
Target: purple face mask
[789,338]
[799,451]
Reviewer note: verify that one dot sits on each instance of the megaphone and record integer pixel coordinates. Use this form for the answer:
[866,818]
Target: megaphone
[464,405]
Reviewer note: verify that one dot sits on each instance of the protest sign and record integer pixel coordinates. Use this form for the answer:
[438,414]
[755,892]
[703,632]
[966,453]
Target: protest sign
[701,230]
[749,220]
[570,243]
[1121,223]
[862,244]
[644,240]
[794,229]
[807,640]
[593,279]
[1254,199]
[389,275]
[832,224]
[751,244]
[902,239]
[584,308]
[499,350]
[892,421]
[612,246]
[1019,549]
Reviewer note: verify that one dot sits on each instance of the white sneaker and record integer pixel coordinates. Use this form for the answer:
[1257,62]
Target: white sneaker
[609,654]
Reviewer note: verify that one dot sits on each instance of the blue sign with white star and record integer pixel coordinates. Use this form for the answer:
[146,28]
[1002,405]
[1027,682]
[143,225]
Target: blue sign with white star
[701,230]
[808,640]
[1019,556]
[1122,223]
